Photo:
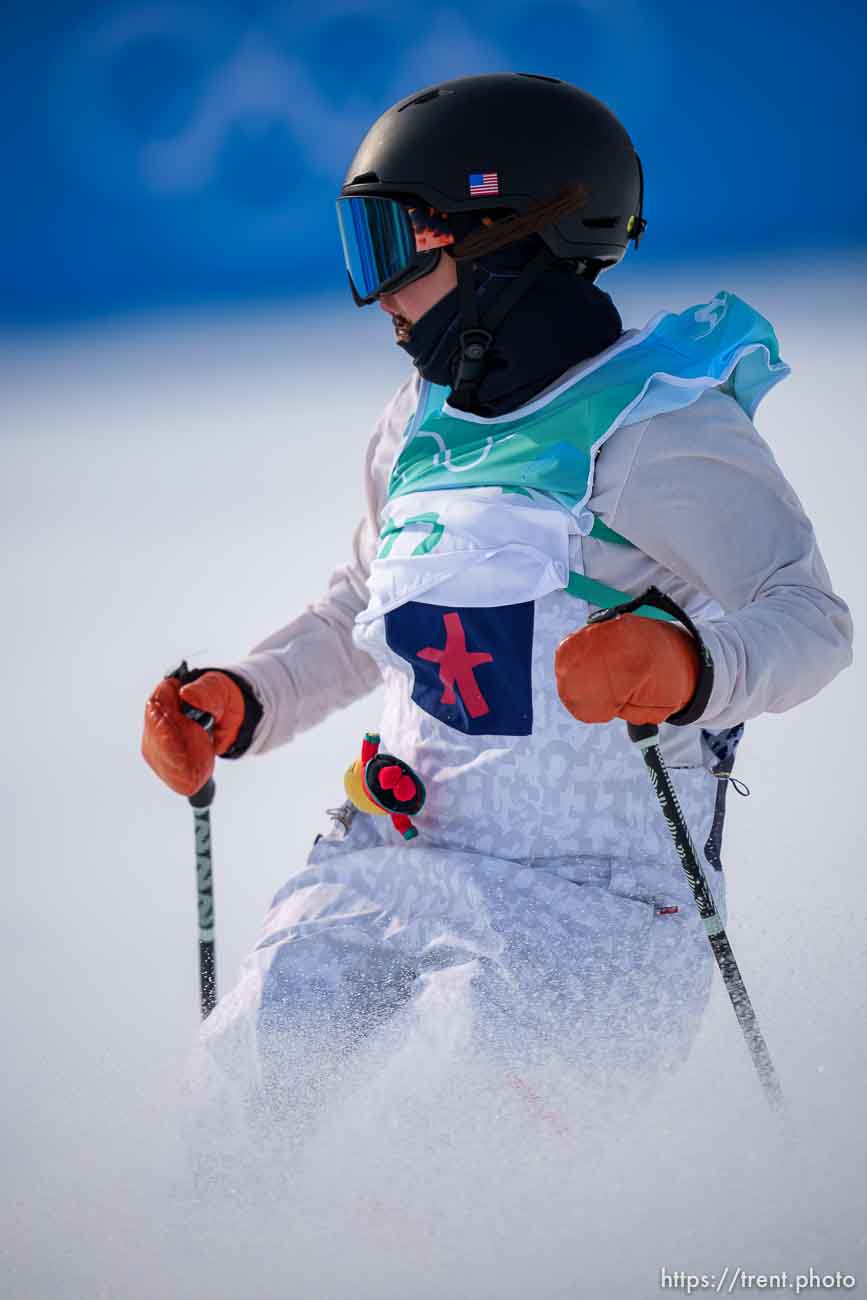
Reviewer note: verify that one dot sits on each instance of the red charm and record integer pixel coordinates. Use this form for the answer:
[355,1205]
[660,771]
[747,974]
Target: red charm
[392,785]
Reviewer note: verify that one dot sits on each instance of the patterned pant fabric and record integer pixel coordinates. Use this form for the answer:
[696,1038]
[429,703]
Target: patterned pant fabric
[566,960]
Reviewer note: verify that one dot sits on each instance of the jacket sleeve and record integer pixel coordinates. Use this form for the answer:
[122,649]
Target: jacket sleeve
[311,667]
[704,497]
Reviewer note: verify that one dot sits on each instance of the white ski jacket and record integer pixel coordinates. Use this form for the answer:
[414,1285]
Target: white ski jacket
[713,521]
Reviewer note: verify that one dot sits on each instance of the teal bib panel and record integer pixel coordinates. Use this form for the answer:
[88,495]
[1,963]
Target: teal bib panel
[551,443]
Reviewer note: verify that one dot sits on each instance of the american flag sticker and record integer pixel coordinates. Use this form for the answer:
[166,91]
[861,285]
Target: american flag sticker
[483,183]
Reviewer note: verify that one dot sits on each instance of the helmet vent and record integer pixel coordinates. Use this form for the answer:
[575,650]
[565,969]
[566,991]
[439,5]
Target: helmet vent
[600,223]
[365,178]
[421,99]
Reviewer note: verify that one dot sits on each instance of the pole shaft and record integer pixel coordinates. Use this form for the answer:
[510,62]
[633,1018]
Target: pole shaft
[205,892]
[719,941]
[200,803]
[746,1016]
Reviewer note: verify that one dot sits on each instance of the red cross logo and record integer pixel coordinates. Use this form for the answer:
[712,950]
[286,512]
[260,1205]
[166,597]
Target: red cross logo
[456,667]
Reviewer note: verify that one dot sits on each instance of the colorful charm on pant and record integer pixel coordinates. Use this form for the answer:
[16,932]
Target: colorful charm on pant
[383,784]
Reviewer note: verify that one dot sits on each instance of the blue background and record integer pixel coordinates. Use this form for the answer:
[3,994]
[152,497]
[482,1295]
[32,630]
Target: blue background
[177,151]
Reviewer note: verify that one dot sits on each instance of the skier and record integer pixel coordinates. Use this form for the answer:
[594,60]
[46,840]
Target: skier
[501,851]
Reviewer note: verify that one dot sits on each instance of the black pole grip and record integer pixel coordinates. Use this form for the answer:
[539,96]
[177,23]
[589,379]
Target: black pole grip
[205,797]
[641,731]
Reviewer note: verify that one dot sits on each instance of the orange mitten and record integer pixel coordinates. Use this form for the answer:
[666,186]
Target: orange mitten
[178,749]
[631,667]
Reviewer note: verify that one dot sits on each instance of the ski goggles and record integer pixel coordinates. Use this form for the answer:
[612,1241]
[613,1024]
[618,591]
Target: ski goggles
[387,244]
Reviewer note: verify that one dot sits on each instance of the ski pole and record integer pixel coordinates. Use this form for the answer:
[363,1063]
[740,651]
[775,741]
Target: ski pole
[646,737]
[201,805]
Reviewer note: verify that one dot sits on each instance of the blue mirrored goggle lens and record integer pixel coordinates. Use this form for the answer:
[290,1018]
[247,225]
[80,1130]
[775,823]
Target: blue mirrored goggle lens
[378,242]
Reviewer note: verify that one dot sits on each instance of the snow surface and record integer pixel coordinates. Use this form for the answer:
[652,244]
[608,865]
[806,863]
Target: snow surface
[180,488]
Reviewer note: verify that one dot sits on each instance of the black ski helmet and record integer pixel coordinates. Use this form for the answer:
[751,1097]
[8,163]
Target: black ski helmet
[510,141]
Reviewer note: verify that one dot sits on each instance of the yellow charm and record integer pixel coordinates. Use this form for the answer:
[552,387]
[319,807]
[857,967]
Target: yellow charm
[354,787]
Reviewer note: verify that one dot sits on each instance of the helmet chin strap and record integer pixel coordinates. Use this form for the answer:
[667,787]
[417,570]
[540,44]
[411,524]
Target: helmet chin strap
[477,335]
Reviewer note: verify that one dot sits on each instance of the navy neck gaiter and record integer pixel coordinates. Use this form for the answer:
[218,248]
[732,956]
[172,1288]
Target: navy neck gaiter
[560,321]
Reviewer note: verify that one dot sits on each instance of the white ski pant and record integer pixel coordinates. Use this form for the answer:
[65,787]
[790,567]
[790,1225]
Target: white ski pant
[582,959]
